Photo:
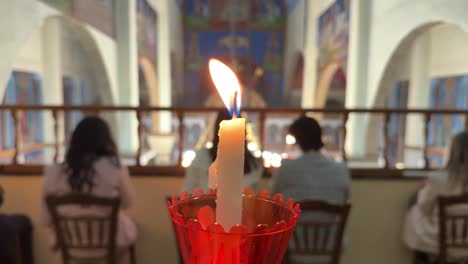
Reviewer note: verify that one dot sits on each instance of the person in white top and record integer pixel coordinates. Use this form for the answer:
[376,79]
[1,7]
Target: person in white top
[92,167]
[196,175]
[421,230]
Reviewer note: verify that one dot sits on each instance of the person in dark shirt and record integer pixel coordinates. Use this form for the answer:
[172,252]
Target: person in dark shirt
[15,237]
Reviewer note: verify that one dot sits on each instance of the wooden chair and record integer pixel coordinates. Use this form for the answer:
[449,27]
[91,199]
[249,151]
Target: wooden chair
[91,232]
[453,228]
[322,237]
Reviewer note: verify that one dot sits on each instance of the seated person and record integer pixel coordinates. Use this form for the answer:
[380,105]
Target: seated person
[92,167]
[421,229]
[196,175]
[8,239]
[311,176]
[15,237]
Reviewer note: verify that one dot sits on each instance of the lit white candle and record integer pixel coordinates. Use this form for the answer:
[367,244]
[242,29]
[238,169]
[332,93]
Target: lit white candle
[227,171]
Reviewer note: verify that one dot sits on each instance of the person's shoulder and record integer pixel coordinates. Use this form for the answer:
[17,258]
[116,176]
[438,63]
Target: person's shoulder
[438,177]
[343,166]
[52,174]
[286,163]
[52,170]
[107,161]
[108,165]
[202,158]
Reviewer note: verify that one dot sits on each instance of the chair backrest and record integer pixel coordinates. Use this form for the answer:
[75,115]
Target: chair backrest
[453,226]
[319,230]
[1,195]
[88,232]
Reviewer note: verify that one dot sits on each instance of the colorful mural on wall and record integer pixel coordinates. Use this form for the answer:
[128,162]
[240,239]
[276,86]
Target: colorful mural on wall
[98,13]
[246,14]
[23,88]
[333,36]
[446,93]
[397,98]
[244,34]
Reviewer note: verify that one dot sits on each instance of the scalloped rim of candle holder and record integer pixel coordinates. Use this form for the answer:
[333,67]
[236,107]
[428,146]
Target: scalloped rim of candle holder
[260,229]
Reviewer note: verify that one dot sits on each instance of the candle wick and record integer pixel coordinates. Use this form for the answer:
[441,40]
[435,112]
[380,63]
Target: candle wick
[234,106]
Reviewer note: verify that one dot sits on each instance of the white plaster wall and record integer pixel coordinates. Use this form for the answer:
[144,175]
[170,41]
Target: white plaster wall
[170,39]
[448,51]
[322,5]
[107,48]
[393,20]
[18,21]
[74,59]
[295,34]
[29,57]
[21,41]
[176,40]
[314,9]
[446,57]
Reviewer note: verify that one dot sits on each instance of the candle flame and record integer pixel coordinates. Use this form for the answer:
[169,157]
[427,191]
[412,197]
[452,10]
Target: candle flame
[227,84]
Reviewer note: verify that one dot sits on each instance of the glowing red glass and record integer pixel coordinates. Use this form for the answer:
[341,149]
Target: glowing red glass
[261,238]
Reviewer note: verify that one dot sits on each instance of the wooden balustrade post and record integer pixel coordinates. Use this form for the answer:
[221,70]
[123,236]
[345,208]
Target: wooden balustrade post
[385,139]
[344,120]
[17,142]
[466,122]
[91,112]
[427,119]
[262,130]
[56,135]
[181,131]
[140,130]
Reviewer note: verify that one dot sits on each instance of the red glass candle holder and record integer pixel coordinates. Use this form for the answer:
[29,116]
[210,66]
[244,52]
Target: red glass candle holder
[261,238]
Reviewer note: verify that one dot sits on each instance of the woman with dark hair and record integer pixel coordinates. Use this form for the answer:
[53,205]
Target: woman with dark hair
[92,167]
[197,174]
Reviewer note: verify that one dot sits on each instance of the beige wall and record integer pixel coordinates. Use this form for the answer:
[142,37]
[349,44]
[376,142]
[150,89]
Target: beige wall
[374,229]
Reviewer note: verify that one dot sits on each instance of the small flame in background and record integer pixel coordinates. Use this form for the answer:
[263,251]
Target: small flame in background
[227,84]
[290,139]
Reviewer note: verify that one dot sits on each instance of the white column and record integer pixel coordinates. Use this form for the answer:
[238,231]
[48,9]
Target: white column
[310,56]
[127,70]
[52,81]
[295,35]
[356,86]
[166,9]
[418,97]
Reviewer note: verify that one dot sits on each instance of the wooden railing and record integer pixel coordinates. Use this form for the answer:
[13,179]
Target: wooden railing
[17,168]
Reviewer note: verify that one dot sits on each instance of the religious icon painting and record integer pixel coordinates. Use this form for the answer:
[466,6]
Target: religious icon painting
[241,14]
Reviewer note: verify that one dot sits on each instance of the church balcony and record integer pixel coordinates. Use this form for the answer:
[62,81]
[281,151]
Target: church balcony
[382,183]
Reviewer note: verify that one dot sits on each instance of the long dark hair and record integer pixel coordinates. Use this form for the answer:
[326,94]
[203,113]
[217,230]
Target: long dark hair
[90,141]
[250,162]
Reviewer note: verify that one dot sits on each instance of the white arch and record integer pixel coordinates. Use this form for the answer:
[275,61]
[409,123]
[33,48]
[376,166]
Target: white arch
[325,82]
[97,65]
[20,19]
[390,30]
[34,15]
